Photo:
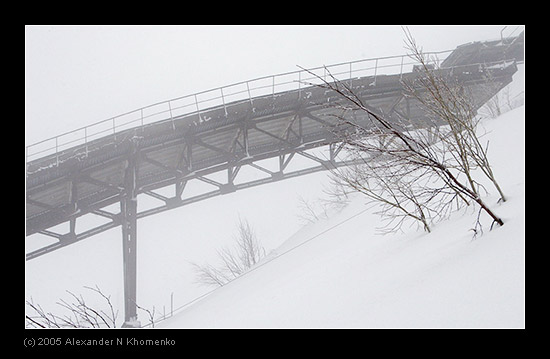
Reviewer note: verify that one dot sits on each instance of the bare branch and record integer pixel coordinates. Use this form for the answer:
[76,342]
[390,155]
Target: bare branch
[81,315]
[151,314]
[246,252]
[414,173]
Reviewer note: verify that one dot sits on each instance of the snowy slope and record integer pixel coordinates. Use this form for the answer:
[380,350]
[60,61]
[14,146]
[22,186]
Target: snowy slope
[345,276]
[339,273]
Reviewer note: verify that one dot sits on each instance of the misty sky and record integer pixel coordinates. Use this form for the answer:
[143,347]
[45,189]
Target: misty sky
[78,75]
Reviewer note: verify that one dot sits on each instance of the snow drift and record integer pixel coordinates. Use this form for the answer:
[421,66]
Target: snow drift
[339,273]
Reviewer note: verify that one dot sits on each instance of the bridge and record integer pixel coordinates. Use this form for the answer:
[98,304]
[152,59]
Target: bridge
[156,151]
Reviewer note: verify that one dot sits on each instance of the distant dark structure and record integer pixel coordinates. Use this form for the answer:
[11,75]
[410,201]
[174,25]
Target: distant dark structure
[487,52]
[222,130]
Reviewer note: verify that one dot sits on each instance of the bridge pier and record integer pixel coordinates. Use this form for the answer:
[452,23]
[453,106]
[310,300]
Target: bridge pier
[128,209]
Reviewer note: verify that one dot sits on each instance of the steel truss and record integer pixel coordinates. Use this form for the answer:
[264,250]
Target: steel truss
[127,194]
[155,159]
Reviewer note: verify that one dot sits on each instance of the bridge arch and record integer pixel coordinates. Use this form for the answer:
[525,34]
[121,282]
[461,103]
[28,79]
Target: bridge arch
[157,150]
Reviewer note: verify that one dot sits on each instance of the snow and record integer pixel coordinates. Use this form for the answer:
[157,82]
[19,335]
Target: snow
[336,272]
[501,65]
[339,273]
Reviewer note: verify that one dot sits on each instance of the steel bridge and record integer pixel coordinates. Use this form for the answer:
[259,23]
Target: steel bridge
[160,148]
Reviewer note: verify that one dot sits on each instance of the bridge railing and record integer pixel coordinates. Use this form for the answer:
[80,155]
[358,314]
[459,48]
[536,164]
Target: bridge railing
[220,97]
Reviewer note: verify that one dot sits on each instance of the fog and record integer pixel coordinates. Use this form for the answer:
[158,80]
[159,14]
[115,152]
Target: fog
[78,75]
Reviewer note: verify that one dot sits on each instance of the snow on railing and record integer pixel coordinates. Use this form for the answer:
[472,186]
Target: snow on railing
[220,97]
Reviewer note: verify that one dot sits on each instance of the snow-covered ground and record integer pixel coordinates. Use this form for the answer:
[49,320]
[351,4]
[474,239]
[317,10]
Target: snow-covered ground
[339,273]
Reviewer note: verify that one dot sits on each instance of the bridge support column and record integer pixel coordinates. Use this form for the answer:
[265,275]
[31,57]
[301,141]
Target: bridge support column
[128,209]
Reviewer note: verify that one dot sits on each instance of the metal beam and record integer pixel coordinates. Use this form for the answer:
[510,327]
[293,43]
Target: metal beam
[103,174]
[128,208]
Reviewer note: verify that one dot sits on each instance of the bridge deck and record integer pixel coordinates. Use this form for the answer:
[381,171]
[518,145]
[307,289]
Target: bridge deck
[86,178]
[117,163]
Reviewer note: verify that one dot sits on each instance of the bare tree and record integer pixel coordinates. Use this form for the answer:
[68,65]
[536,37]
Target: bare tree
[308,211]
[403,188]
[208,274]
[414,172]
[80,314]
[150,313]
[498,104]
[246,252]
[502,102]
[447,101]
